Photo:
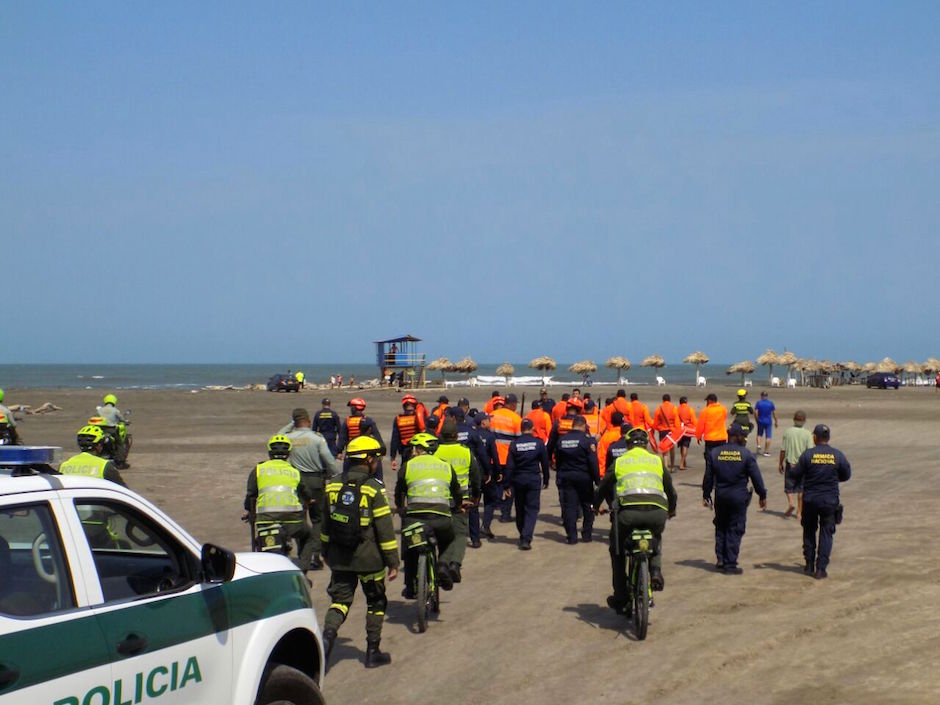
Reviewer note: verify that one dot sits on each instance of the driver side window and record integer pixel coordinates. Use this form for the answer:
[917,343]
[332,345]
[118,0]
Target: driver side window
[134,557]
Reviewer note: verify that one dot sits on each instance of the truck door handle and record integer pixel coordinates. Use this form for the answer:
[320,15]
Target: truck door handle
[132,645]
[8,676]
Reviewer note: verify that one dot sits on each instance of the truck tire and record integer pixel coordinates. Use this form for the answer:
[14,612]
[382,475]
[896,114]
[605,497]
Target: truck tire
[288,686]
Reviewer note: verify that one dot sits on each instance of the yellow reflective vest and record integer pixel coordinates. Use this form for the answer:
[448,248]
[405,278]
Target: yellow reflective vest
[428,482]
[639,476]
[84,464]
[277,488]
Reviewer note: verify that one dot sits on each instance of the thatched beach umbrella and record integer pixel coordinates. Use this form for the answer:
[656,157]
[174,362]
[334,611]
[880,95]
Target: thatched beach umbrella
[931,365]
[442,364]
[697,358]
[888,365]
[788,359]
[769,358]
[913,369]
[465,366]
[619,363]
[583,368]
[745,367]
[542,364]
[656,361]
[869,366]
[506,370]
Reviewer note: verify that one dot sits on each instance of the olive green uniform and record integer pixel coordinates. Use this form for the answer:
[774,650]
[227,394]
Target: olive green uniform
[311,455]
[741,412]
[467,468]
[366,564]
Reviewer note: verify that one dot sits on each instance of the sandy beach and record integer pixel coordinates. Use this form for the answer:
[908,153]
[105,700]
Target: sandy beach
[527,628]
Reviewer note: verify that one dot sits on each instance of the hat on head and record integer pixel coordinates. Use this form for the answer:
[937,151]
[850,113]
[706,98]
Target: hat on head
[511,398]
[736,430]
[457,413]
[325,401]
[443,400]
[463,401]
[299,414]
[527,425]
[821,431]
[481,417]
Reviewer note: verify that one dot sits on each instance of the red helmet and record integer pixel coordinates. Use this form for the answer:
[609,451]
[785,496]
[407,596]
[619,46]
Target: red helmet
[357,403]
[408,399]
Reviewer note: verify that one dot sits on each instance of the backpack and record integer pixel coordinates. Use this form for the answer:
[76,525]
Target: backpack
[344,527]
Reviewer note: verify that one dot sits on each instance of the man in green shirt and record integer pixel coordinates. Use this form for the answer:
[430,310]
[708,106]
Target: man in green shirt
[796,440]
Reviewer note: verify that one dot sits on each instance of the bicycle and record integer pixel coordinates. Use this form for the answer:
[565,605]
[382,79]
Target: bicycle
[640,550]
[418,538]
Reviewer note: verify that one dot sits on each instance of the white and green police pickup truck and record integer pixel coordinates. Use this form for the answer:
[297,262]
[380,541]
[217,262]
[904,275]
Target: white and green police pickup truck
[105,600]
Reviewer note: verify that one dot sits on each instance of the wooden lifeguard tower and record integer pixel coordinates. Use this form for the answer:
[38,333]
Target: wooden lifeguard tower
[400,356]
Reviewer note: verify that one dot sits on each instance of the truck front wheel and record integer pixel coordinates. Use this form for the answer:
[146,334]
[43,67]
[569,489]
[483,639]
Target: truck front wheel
[288,686]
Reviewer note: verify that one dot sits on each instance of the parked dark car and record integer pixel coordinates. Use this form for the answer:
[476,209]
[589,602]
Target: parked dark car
[283,383]
[883,380]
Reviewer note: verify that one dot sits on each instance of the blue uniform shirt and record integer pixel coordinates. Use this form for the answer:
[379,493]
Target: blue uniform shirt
[576,454]
[527,456]
[765,411]
[482,444]
[822,468]
[728,468]
[614,451]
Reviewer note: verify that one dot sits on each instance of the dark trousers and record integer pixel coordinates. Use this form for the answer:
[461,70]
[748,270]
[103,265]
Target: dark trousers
[628,519]
[314,484]
[576,492]
[473,524]
[527,495]
[342,590]
[443,528]
[331,440]
[492,496]
[505,503]
[730,520]
[712,444]
[296,528]
[818,514]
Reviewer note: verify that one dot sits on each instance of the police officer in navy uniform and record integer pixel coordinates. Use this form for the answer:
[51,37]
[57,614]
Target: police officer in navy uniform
[327,423]
[821,469]
[483,445]
[727,469]
[527,460]
[576,473]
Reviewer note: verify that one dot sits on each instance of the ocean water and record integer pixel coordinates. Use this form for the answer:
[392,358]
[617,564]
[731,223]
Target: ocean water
[139,376]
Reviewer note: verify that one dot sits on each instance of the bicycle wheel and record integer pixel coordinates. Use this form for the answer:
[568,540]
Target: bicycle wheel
[422,592]
[434,596]
[641,598]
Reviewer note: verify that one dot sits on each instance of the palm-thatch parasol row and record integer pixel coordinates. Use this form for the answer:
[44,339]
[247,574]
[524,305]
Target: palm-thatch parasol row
[544,362]
[745,367]
[506,370]
[656,361]
[465,366]
[697,358]
[583,368]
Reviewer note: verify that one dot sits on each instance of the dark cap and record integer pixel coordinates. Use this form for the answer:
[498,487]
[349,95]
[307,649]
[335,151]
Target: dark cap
[299,414]
[625,426]
[821,431]
[511,398]
[736,430]
[463,401]
[449,429]
[443,400]
[711,397]
[481,417]
[527,425]
[457,413]
[325,401]
[579,421]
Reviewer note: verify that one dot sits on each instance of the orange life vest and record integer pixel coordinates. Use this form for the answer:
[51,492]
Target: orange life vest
[408,426]
[352,427]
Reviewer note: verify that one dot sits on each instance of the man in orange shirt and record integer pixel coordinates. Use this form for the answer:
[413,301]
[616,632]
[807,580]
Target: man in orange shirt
[611,435]
[687,419]
[560,410]
[712,426]
[622,405]
[595,424]
[541,422]
[491,404]
[666,421]
[506,424]
[639,413]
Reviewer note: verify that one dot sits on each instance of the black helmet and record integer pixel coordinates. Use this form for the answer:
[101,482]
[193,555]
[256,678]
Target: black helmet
[637,436]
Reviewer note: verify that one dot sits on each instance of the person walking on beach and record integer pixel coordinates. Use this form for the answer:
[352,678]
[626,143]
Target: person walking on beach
[311,455]
[727,470]
[482,442]
[640,414]
[742,411]
[467,468]
[547,403]
[666,421]
[527,460]
[796,441]
[541,421]
[820,469]
[576,473]
[687,419]
[361,553]
[506,424]
[404,427]
[712,424]
[613,434]
[327,424]
[766,414]
[358,424]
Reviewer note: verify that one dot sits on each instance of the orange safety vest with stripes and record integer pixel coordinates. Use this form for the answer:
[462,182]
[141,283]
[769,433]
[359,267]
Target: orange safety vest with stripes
[506,424]
[408,426]
[352,427]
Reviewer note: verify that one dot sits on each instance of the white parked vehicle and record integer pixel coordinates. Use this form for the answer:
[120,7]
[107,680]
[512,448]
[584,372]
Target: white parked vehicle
[105,599]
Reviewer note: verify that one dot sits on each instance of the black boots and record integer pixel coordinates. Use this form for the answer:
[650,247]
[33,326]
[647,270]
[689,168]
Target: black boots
[374,657]
[329,638]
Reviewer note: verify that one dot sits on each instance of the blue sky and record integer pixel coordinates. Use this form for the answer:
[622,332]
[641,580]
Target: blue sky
[242,182]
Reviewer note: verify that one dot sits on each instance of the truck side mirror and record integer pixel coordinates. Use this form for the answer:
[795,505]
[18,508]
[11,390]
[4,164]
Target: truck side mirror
[218,564]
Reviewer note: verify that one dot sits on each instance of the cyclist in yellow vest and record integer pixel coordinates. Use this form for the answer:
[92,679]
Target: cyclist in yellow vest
[426,489]
[91,461]
[467,468]
[645,499]
[277,496]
